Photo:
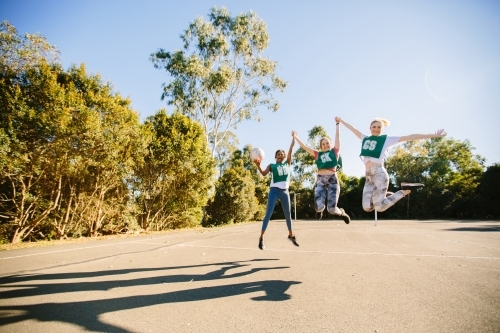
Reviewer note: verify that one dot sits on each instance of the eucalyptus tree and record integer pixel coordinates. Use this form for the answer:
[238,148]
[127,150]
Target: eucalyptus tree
[234,200]
[174,182]
[225,150]
[261,183]
[24,199]
[18,52]
[72,142]
[68,142]
[107,142]
[221,77]
[30,182]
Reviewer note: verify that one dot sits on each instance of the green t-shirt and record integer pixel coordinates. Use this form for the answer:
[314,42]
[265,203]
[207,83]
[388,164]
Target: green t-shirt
[371,146]
[328,160]
[280,173]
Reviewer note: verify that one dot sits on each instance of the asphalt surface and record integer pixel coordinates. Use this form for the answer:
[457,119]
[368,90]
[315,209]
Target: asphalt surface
[399,276]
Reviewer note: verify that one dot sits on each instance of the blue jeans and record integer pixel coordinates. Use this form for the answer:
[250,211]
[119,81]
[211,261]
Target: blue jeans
[276,193]
[327,185]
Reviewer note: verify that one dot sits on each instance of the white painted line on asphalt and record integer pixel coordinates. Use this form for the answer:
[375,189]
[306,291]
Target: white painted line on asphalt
[83,248]
[345,252]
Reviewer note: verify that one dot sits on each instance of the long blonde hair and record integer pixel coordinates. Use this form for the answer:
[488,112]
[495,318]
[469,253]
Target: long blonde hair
[383,121]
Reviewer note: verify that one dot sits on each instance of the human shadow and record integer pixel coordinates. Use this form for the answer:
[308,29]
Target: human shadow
[86,314]
[18,288]
[80,275]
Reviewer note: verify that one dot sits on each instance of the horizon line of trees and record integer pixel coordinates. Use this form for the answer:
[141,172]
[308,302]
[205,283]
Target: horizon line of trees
[75,160]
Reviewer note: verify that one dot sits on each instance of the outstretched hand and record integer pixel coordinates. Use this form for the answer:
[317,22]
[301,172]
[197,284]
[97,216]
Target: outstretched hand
[294,134]
[338,119]
[440,133]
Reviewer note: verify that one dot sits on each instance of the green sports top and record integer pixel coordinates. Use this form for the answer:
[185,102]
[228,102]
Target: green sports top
[280,175]
[328,160]
[371,146]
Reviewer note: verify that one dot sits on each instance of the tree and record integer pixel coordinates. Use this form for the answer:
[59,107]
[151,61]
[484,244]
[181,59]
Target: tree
[225,150]
[107,142]
[70,140]
[448,168]
[221,77]
[234,199]
[261,183]
[72,143]
[20,52]
[175,180]
[351,192]
[26,138]
[486,205]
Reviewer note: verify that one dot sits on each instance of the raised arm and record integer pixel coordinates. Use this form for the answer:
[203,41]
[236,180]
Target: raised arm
[302,144]
[289,155]
[439,134]
[349,127]
[262,172]
[337,134]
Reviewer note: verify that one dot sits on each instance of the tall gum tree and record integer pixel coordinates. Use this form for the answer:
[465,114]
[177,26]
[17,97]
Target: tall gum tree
[221,78]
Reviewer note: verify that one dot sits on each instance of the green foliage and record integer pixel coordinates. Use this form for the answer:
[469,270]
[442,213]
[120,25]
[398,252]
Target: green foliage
[234,199]
[175,180]
[71,144]
[220,78]
[487,198]
[448,168]
[20,52]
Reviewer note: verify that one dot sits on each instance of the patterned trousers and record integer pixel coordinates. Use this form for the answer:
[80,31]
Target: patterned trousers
[375,190]
[327,186]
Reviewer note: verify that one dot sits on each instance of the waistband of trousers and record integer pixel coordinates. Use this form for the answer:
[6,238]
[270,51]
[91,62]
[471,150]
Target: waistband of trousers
[374,169]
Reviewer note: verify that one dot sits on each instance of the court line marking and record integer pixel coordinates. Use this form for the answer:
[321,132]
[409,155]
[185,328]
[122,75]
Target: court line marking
[87,247]
[147,241]
[344,252]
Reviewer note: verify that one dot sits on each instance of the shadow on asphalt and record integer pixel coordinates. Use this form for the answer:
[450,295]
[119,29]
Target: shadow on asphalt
[482,228]
[86,313]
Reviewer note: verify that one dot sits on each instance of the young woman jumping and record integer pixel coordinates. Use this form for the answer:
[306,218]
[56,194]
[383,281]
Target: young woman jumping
[373,153]
[280,181]
[327,183]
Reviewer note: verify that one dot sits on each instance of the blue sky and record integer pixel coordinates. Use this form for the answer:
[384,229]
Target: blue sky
[423,65]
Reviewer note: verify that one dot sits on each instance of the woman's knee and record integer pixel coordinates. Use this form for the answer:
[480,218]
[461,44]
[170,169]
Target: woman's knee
[368,208]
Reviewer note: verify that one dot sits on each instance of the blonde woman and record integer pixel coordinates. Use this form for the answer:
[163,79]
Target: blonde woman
[373,153]
[327,183]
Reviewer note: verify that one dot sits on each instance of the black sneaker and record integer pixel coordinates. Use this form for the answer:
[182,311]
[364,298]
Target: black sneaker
[319,215]
[344,216]
[293,240]
[411,186]
[261,243]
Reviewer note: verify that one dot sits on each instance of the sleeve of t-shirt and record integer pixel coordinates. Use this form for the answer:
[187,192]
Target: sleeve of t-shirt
[391,140]
[336,152]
